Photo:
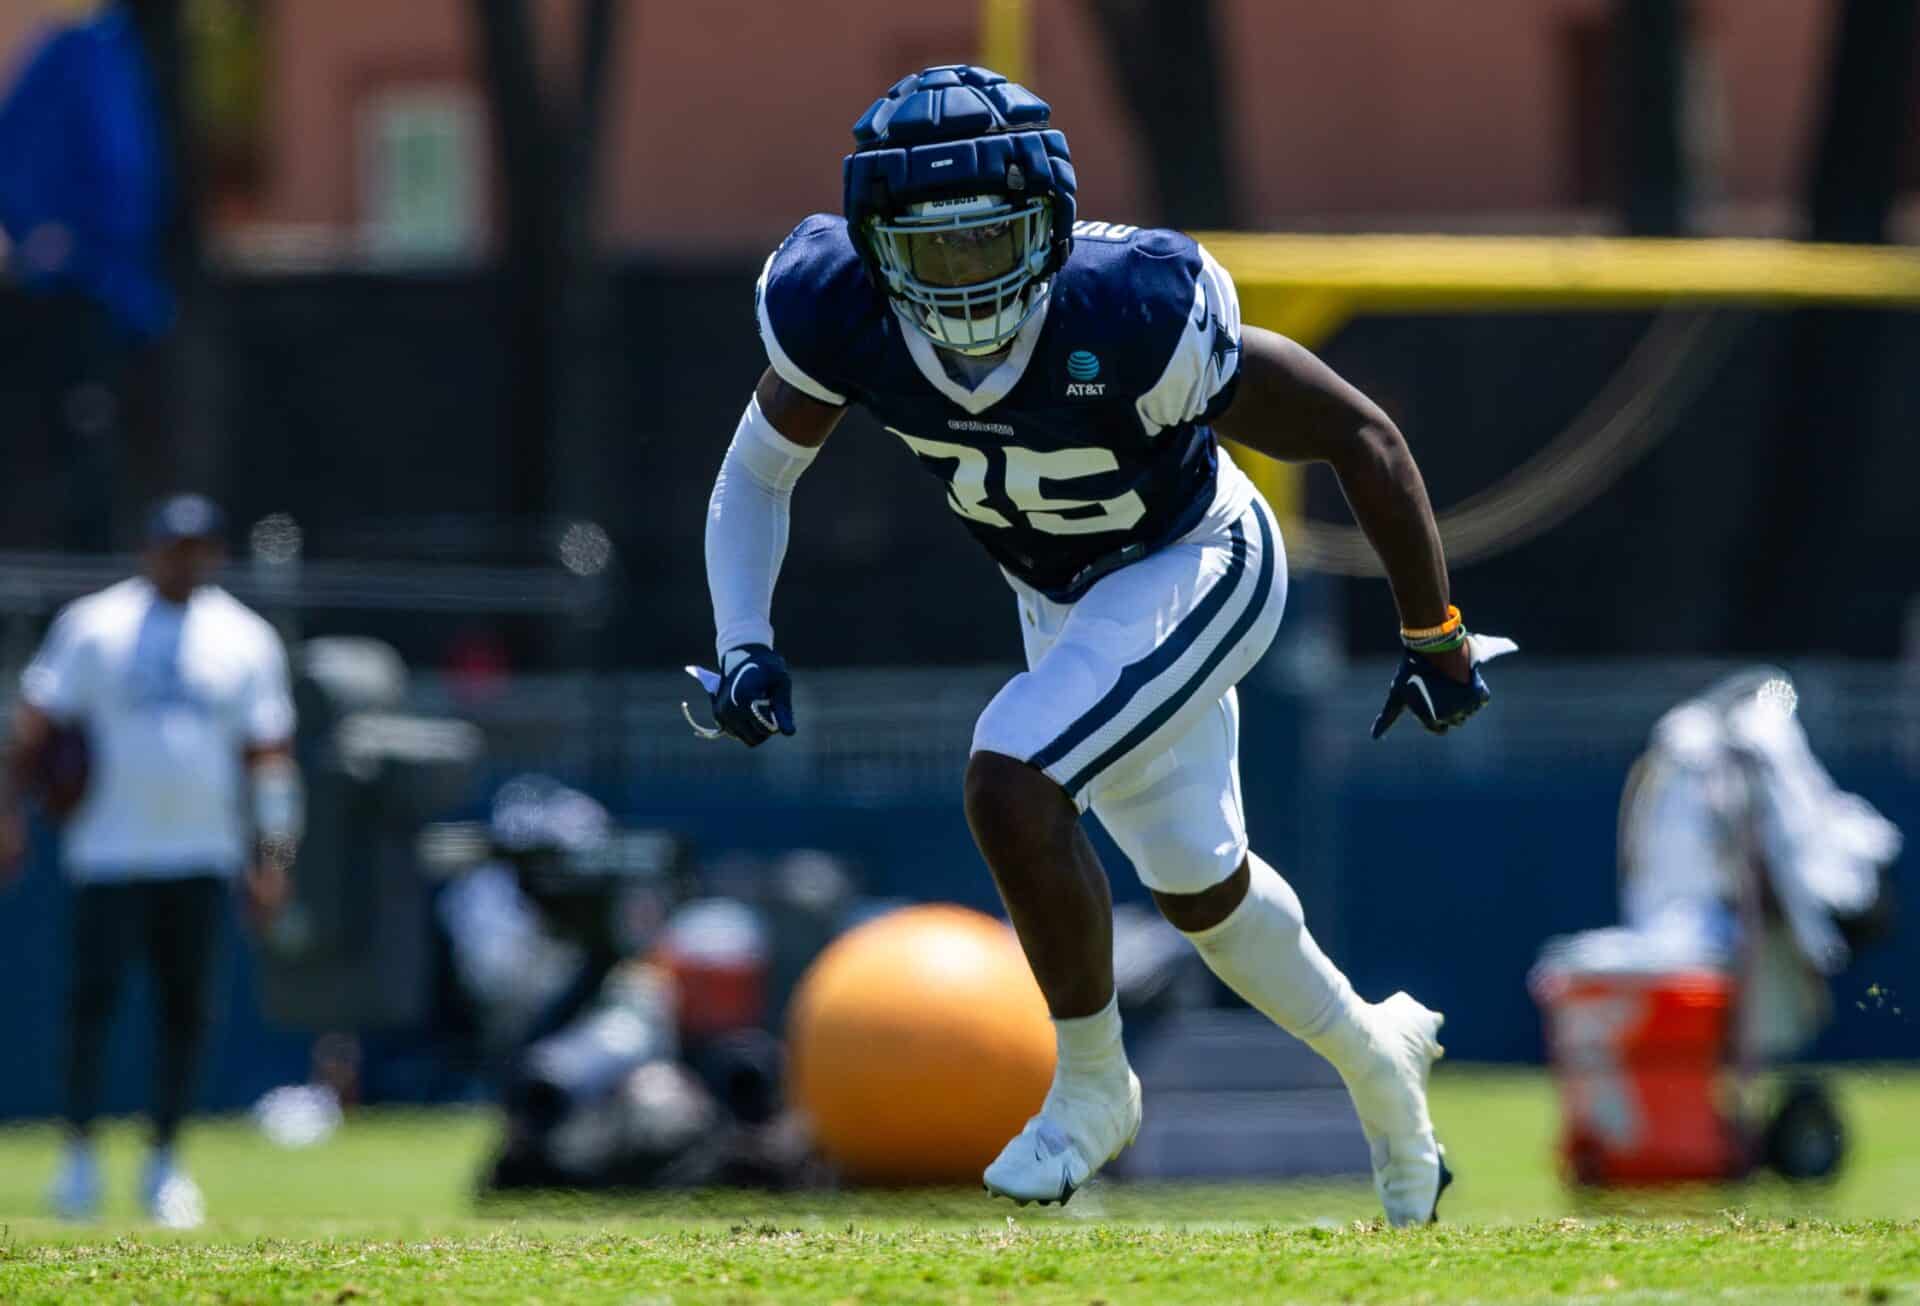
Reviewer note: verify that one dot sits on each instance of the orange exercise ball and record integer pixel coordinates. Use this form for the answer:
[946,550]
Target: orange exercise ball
[918,1045]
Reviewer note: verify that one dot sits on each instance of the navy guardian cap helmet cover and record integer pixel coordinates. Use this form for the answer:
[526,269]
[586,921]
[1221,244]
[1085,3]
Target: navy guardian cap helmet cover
[959,199]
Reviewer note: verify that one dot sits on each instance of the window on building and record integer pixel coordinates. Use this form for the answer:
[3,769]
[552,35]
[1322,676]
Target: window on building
[421,185]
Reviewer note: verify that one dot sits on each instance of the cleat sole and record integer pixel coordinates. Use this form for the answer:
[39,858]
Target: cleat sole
[1061,1200]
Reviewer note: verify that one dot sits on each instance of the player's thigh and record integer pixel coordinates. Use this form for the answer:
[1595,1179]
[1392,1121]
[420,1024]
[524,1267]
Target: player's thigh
[1177,814]
[1143,656]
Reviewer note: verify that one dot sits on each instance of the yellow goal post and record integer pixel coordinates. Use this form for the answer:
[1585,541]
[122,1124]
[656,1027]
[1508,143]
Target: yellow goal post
[1307,286]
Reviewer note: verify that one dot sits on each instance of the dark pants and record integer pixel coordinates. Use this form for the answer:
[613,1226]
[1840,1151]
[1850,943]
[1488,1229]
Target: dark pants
[175,926]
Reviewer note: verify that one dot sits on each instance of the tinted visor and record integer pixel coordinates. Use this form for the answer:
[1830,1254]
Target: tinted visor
[967,279]
[964,256]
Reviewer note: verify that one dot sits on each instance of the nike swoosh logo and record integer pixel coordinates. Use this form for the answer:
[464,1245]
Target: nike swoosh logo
[1421,685]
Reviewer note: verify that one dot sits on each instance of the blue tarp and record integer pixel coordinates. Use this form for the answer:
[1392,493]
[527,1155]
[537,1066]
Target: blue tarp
[83,176]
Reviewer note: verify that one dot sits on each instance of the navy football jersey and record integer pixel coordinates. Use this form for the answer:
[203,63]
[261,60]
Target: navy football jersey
[1088,446]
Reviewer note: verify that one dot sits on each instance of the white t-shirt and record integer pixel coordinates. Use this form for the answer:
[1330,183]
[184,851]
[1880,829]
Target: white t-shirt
[170,697]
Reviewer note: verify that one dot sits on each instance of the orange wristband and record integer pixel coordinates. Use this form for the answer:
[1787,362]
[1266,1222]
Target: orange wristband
[1447,627]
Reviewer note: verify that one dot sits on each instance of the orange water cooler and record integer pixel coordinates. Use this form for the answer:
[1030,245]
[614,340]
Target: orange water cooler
[1642,1063]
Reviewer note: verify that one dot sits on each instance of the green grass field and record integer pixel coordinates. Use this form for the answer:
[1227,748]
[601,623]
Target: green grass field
[384,1213]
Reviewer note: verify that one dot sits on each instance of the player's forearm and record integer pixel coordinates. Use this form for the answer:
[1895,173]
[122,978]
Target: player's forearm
[1384,488]
[747,524]
[1292,406]
[279,796]
[745,545]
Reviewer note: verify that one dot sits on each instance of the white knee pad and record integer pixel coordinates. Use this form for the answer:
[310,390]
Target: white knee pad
[1168,863]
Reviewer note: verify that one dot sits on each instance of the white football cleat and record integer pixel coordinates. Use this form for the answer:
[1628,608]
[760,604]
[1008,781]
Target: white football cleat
[75,1194]
[172,1199]
[1409,1167]
[1079,1129]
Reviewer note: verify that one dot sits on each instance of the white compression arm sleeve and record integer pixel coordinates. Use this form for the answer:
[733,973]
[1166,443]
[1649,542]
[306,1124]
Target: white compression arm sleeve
[747,528]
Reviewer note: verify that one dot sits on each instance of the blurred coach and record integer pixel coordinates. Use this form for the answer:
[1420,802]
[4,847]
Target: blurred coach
[180,694]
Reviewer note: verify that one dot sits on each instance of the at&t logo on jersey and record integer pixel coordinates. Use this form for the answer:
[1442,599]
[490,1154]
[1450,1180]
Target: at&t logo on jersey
[1083,367]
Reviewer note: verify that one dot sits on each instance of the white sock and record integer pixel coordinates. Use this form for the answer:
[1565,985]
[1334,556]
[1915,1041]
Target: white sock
[1089,1046]
[1264,953]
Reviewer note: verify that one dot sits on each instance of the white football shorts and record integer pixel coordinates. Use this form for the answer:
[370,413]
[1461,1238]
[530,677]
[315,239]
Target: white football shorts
[1128,698]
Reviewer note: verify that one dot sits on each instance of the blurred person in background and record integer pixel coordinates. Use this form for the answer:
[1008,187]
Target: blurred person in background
[83,203]
[177,696]
[525,966]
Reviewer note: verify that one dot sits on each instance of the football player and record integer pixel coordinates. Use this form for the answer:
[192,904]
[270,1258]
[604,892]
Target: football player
[1066,382]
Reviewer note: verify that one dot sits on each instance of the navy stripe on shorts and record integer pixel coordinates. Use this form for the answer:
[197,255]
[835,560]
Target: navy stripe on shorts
[1206,621]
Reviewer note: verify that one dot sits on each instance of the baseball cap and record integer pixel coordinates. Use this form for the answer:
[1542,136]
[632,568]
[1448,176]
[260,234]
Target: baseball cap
[185,517]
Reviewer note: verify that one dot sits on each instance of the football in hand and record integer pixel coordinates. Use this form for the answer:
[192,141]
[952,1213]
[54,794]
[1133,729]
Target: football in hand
[59,778]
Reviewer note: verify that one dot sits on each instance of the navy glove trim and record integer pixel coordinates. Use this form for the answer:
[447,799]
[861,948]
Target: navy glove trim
[1437,700]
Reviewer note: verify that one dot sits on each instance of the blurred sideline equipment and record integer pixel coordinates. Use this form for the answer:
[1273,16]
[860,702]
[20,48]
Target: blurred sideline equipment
[717,950]
[540,905]
[528,921]
[1747,880]
[350,952]
[918,1045]
[616,1072]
